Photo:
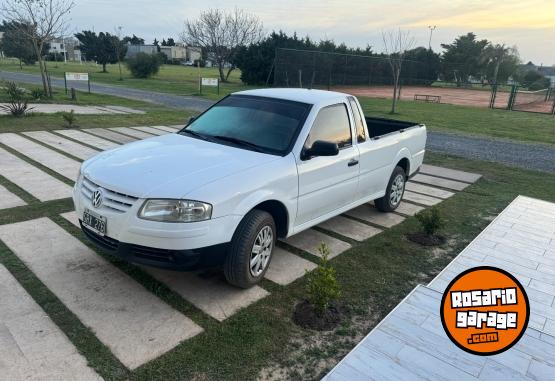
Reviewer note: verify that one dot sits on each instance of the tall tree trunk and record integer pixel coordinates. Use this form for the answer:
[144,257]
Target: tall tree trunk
[42,69]
[104,67]
[496,71]
[228,73]
[395,84]
[221,70]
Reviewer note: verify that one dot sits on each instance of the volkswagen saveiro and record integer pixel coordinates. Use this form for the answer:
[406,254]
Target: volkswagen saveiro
[257,166]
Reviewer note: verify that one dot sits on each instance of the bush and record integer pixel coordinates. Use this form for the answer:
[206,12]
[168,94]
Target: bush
[143,65]
[18,102]
[431,220]
[322,286]
[69,118]
[38,94]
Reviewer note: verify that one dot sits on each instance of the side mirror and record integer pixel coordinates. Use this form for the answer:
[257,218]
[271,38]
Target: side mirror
[321,148]
[191,120]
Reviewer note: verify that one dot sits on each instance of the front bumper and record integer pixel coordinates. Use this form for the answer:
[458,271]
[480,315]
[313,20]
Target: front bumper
[178,260]
[178,246]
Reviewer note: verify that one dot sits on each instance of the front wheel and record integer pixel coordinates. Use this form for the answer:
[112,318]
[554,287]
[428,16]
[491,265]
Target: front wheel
[251,249]
[394,191]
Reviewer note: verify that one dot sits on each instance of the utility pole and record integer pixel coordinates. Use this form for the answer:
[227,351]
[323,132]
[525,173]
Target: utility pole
[432,28]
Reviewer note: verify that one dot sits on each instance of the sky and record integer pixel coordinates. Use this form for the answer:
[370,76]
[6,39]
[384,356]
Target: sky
[528,24]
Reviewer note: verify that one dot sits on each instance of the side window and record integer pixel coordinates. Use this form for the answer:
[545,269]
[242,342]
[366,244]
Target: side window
[361,132]
[331,125]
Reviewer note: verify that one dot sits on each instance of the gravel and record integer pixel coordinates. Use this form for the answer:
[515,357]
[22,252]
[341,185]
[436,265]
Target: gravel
[524,155]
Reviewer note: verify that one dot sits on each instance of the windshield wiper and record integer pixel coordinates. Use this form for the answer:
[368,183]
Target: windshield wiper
[196,135]
[240,142]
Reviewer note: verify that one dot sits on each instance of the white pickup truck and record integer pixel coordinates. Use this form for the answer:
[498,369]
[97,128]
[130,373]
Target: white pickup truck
[257,166]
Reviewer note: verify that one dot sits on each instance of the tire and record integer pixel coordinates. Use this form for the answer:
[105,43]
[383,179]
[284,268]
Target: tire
[252,229]
[394,191]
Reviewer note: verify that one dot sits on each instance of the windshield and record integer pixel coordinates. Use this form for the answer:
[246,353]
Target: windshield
[265,124]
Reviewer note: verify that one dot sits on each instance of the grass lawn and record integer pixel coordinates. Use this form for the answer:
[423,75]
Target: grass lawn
[514,125]
[375,275]
[155,114]
[174,79]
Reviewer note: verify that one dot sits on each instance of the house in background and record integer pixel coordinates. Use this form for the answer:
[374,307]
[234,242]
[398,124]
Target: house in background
[174,53]
[68,48]
[133,50]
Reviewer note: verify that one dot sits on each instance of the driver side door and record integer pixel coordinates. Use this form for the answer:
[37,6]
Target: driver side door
[327,183]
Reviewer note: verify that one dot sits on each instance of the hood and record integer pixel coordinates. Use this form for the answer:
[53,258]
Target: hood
[168,166]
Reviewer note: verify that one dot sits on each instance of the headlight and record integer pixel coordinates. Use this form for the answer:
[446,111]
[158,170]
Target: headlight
[175,211]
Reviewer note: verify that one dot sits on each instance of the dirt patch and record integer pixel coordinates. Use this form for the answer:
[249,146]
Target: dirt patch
[426,240]
[311,354]
[306,317]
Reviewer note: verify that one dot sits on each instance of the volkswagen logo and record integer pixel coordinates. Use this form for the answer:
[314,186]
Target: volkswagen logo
[96,198]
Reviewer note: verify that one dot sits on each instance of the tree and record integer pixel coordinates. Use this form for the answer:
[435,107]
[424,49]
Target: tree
[17,45]
[133,40]
[47,20]
[100,48]
[120,49]
[396,45]
[221,34]
[170,42]
[422,67]
[501,62]
[461,59]
[143,65]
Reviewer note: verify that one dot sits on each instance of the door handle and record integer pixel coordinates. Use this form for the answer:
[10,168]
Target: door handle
[352,162]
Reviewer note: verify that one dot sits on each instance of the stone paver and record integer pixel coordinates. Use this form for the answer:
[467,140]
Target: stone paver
[452,174]
[125,110]
[210,293]
[168,128]
[350,228]
[75,149]
[111,135]
[150,130]
[31,179]
[309,241]
[131,132]
[128,319]
[438,181]
[421,198]
[89,139]
[32,347]
[408,209]
[53,160]
[8,199]
[427,190]
[287,267]
[367,212]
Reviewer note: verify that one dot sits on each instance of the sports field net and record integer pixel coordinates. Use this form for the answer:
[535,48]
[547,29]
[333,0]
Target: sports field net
[536,101]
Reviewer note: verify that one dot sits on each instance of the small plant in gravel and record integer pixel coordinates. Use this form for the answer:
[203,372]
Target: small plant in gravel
[431,222]
[17,104]
[321,309]
[69,118]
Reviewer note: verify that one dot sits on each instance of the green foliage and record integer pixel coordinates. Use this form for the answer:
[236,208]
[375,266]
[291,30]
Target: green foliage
[535,81]
[15,44]
[430,220]
[143,65]
[18,102]
[103,48]
[38,94]
[322,286]
[462,58]
[69,118]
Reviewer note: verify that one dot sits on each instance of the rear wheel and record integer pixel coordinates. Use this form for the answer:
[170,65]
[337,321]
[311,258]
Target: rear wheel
[251,249]
[394,192]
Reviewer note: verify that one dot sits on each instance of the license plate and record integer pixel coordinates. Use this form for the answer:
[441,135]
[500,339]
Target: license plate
[94,222]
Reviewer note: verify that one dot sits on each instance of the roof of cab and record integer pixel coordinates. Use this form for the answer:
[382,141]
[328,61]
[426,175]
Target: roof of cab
[310,96]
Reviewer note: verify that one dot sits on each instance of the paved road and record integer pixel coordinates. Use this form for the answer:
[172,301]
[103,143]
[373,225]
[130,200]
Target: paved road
[531,156]
[177,101]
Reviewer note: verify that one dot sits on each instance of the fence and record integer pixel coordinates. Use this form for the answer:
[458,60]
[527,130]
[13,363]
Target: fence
[371,76]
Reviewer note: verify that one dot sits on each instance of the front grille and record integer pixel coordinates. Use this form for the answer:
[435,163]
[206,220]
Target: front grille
[102,241]
[152,254]
[113,201]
